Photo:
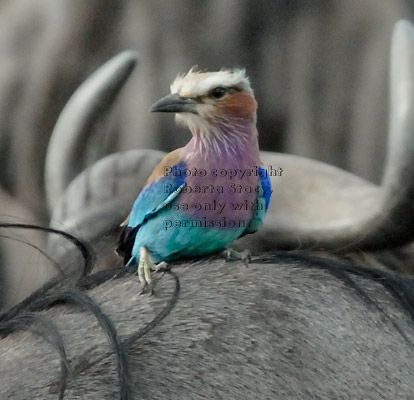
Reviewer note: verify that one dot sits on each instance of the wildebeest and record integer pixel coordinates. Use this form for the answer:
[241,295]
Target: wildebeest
[292,325]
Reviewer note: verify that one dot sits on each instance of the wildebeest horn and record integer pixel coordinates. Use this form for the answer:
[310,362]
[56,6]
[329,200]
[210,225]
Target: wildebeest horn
[314,205]
[90,102]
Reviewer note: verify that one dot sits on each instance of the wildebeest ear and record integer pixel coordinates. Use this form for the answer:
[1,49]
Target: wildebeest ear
[314,205]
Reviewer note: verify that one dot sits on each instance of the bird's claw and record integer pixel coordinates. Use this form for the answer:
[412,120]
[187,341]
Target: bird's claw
[244,256]
[145,270]
[147,288]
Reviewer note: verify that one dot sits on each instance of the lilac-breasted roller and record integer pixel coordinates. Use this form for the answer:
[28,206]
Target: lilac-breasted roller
[203,196]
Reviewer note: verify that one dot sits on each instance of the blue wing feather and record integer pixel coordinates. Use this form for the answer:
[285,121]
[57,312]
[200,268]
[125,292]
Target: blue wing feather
[149,202]
[157,195]
[263,199]
[264,181]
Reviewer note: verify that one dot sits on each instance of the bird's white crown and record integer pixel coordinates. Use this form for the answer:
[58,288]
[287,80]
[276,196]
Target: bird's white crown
[196,83]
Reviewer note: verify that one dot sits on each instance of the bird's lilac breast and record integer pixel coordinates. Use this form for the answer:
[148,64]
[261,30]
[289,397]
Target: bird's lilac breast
[220,190]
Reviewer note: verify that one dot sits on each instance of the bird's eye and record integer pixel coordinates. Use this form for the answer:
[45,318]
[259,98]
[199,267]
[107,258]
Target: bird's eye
[218,92]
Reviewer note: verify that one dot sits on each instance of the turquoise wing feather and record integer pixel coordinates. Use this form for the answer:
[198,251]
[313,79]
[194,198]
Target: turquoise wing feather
[156,196]
[152,199]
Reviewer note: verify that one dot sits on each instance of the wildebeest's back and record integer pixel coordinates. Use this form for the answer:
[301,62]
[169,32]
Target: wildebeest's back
[268,331]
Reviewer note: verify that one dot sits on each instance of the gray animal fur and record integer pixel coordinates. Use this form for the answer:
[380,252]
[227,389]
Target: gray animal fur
[270,331]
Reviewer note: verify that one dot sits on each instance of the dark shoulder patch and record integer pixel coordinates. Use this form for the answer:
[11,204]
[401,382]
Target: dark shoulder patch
[126,242]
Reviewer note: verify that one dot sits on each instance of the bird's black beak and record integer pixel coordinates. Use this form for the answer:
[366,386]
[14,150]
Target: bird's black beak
[174,103]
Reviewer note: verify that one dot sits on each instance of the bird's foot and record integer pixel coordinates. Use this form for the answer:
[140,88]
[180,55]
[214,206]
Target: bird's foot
[244,256]
[145,270]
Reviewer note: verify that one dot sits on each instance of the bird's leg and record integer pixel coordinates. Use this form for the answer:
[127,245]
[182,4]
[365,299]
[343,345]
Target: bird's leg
[244,256]
[145,269]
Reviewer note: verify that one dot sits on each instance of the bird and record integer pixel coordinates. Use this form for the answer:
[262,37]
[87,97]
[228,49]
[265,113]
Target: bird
[201,197]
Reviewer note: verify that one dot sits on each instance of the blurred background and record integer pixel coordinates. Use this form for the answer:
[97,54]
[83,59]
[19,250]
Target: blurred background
[319,70]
